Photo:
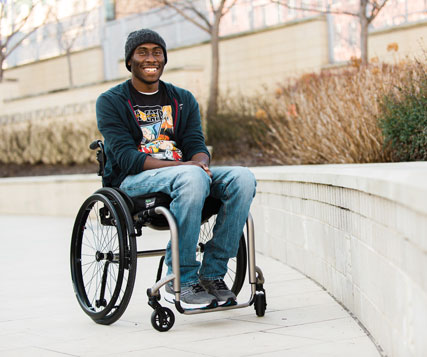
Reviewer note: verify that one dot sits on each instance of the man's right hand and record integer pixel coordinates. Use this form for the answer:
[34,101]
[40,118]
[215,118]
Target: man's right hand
[152,163]
[202,165]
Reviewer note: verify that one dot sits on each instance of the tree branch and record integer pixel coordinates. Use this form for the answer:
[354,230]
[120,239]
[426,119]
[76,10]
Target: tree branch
[207,27]
[64,42]
[375,10]
[18,43]
[28,34]
[212,5]
[19,26]
[229,8]
[22,22]
[321,11]
[1,20]
[218,11]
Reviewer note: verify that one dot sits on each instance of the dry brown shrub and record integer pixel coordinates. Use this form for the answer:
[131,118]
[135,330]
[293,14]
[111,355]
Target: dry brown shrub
[331,117]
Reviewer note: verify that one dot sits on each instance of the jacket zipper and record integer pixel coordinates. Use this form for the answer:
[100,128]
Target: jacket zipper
[133,112]
[176,115]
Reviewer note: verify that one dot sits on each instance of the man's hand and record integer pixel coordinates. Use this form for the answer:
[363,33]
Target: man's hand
[202,165]
[200,159]
[203,161]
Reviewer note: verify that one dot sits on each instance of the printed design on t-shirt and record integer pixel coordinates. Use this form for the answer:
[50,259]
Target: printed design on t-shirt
[156,124]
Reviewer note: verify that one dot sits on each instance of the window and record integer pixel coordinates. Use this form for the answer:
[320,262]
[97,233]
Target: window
[110,10]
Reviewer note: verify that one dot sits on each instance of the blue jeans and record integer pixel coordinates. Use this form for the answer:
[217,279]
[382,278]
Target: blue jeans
[188,186]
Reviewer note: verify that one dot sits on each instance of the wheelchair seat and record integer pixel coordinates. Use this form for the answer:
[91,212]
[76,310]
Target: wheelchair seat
[142,208]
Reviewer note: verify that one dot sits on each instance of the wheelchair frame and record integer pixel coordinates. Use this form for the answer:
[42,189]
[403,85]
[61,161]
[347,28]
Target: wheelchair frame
[116,212]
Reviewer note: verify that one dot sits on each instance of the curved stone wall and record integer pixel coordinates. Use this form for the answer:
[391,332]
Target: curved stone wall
[358,230]
[361,232]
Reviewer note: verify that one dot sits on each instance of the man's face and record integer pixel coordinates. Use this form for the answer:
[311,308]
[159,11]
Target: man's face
[147,63]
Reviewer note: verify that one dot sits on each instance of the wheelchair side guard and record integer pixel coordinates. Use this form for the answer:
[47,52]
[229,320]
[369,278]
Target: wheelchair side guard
[152,200]
[117,198]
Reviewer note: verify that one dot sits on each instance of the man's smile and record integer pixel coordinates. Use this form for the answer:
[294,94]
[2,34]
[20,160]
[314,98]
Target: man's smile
[150,70]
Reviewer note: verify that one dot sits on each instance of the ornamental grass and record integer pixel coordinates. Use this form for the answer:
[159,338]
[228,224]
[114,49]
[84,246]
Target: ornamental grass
[51,141]
[329,117]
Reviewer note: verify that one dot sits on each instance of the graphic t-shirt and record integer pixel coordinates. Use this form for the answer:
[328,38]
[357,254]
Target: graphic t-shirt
[154,115]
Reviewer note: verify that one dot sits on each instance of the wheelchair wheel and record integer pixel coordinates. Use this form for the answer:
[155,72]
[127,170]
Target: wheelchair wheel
[103,260]
[235,276]
[260,303]
[162,319]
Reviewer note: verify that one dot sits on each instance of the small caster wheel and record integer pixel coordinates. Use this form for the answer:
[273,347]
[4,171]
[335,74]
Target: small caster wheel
[162,319]
[260,303]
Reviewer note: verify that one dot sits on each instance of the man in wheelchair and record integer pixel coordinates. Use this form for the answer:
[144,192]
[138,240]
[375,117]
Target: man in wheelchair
[154,143]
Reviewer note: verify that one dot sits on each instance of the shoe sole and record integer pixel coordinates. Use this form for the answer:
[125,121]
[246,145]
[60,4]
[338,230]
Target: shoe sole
[229,302]
[224,302]
[170,298]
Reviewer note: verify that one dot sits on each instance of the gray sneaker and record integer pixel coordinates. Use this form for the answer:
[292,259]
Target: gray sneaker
[192,297]
[219,289]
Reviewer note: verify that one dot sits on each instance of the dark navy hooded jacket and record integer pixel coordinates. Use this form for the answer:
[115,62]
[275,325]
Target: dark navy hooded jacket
[122,134]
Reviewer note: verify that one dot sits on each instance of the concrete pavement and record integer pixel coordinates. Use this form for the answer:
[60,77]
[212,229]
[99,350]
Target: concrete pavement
[40,316]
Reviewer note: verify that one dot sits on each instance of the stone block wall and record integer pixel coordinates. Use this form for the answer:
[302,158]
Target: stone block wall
[52,74]
[361,232]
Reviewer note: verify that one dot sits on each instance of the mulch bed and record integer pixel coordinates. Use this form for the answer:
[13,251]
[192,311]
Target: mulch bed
[15,170]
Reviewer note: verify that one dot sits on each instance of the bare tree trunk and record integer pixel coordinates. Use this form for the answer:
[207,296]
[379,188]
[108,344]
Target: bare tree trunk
[364,26]
[214,80]
[66,37]
[70,68]
[1,69]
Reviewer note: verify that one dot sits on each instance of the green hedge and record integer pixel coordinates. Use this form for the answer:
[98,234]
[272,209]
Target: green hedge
[404,118]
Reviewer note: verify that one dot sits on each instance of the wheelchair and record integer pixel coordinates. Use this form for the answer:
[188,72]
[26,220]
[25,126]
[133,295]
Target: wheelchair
[103,254]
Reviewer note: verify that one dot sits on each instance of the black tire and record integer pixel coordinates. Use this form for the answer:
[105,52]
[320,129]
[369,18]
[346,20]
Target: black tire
[103,260]
[162,319]
[260,304]
[236,273]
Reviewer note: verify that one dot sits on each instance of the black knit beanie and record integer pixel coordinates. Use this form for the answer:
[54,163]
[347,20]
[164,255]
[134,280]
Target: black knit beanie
[136,38]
